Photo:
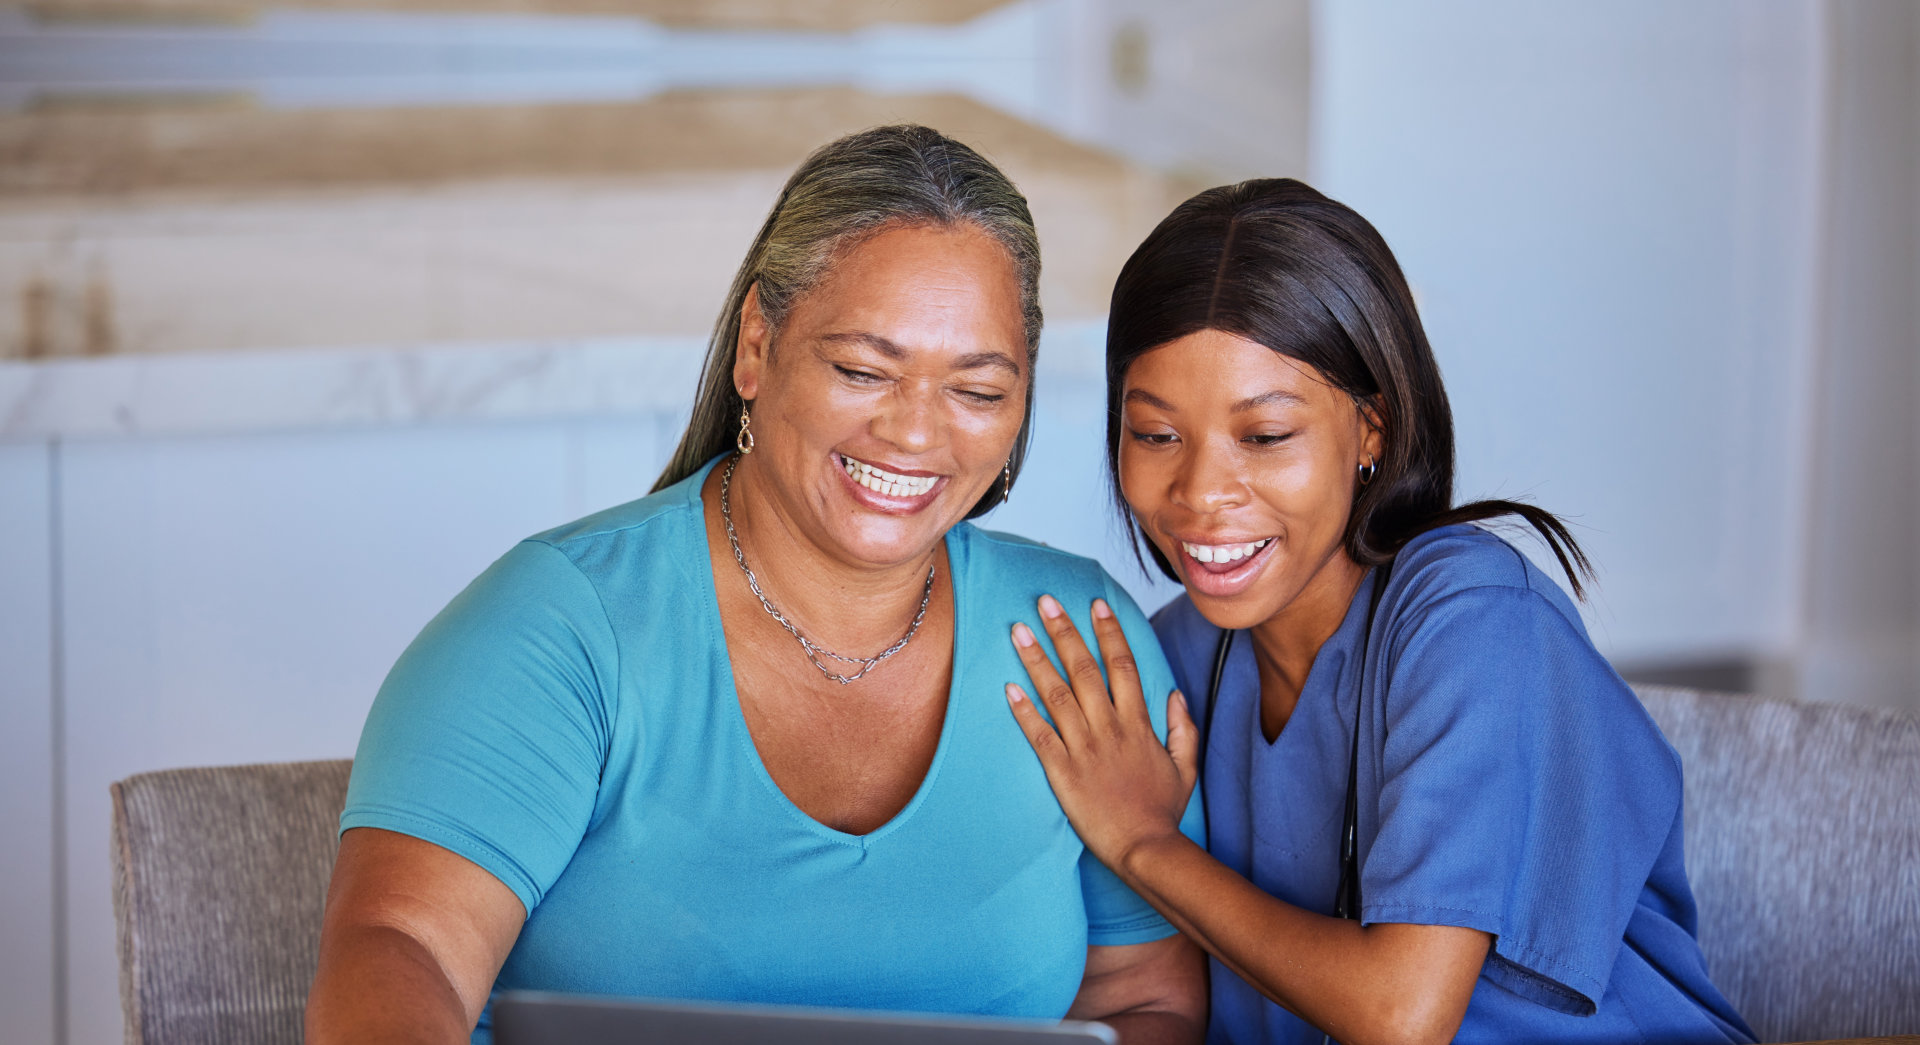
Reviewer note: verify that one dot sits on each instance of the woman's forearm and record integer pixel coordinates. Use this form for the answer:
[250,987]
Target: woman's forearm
[377,985]
[1381,983]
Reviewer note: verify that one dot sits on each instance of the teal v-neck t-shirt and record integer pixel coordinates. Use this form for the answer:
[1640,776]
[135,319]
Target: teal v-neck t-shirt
[569,723]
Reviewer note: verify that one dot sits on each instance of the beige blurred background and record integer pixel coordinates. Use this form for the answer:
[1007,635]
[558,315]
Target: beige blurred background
[308,312]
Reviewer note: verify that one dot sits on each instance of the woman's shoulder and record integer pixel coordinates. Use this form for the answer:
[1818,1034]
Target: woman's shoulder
[999,558]
[1471,611]
[1188,639]
[1007,573]
[578,568]
[643,518]
[1467,562]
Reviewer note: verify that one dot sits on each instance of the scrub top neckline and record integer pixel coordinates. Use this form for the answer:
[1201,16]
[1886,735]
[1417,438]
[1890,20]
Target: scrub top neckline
[737,718]
[1329,670]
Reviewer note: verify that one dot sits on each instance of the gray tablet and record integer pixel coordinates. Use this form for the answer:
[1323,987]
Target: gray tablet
[538,1018]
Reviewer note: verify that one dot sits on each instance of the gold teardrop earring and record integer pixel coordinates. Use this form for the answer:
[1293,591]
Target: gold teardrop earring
[1006,487]
[744,441]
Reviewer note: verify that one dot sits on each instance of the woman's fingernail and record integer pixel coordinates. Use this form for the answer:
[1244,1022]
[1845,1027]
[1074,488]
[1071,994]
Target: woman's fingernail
[1050,607]
[1101,609]
[1022,634]
[1015,694]
[1182,698]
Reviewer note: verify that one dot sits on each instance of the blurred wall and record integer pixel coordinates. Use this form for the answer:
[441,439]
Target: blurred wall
[30,907]
[1861,610]
[1615,218]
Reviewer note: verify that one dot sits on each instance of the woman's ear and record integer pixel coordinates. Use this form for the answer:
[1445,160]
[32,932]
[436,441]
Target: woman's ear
[1373,437]
[751,347]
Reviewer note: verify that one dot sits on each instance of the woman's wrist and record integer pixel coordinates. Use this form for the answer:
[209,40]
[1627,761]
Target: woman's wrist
[1138,863]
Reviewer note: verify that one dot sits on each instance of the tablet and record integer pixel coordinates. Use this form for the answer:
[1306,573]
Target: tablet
[540,1018]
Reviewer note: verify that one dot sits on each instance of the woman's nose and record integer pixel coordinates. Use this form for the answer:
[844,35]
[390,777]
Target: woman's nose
[1208,481]
[909,419]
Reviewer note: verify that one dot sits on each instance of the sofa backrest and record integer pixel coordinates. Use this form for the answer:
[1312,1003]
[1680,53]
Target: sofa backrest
[1801,829]
[219,881]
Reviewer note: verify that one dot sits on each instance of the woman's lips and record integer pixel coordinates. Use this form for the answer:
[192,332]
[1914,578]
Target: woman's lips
[885,490]
[1221,570]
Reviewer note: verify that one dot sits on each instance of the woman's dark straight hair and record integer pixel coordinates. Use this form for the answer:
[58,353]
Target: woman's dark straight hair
[1273,261]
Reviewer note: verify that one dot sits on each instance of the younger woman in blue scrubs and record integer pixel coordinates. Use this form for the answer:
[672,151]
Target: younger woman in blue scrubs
[1355,651]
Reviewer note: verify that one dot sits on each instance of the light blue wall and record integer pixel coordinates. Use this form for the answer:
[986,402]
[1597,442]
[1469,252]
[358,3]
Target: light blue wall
[1609,215]
[27,891]
[239,598]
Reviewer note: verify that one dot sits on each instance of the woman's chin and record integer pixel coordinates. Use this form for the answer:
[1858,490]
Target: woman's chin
[878,538]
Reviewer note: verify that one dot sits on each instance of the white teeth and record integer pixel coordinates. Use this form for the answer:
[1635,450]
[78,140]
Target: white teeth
[1223,552]
[889,484]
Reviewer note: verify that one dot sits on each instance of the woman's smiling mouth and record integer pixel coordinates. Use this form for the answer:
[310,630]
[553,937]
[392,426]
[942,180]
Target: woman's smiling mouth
[1223,553]
[888,490]
[1222,570]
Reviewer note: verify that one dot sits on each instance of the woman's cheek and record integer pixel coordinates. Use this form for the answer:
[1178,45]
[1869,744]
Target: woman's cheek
[1141,476]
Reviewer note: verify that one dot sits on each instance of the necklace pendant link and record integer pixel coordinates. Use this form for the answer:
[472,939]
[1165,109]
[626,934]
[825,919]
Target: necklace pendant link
[812,649]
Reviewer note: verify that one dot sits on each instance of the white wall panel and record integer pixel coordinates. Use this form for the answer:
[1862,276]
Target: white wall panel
[239,600]
[1863,598]
[26,746]
[1608,213]
[614,460]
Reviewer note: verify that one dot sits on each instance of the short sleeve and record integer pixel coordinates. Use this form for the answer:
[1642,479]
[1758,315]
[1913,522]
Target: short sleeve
[1524,792]
[1116,915]
[490,733]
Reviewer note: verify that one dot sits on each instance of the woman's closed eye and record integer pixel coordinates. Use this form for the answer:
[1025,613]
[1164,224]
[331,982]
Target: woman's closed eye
[1267,439]
[1152,437]
[857,375]
[983,396]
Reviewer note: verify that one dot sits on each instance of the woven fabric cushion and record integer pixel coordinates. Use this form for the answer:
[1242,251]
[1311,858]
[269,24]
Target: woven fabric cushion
[220,878]
[1801,846]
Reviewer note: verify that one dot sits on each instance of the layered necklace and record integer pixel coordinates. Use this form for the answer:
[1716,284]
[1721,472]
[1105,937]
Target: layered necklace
[814,650]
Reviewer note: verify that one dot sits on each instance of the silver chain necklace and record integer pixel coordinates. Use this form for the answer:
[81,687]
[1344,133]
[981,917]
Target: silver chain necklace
[814,650]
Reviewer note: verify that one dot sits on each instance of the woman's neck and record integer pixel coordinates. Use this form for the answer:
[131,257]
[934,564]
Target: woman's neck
[852,608]
[1285,645]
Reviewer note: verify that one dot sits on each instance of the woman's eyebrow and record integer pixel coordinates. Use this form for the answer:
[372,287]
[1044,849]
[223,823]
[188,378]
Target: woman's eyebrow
[1278,395]
[886,347]
[874,341]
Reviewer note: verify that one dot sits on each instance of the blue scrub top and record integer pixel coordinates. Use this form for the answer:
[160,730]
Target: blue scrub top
[569,723]
[1509,781]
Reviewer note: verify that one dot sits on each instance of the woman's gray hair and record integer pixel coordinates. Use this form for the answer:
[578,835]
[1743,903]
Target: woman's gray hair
[845,192]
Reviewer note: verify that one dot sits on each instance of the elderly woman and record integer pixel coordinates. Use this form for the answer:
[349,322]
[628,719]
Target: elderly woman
[740,740]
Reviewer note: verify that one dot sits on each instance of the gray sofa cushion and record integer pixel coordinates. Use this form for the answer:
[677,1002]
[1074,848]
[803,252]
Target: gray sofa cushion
[220,878]
[1801,846]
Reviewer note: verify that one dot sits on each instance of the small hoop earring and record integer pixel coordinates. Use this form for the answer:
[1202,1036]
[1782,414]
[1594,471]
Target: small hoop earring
[1368,470]
[1006,486]
[744,441]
